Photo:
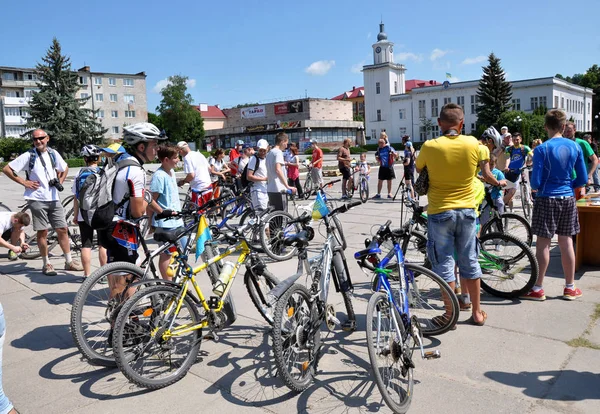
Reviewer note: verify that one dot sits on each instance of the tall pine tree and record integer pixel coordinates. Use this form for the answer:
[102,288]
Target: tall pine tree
[494,93]
[55,108]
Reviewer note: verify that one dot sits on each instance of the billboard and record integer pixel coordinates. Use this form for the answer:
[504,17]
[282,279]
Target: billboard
[253,112]
[293,107]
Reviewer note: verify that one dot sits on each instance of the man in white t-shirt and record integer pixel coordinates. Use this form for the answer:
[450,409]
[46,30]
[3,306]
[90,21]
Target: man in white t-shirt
[276,180]
[12,234]
[257,175]
[195,165]
[46,171]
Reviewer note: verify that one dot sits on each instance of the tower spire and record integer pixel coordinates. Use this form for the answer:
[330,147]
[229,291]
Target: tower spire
[382,35]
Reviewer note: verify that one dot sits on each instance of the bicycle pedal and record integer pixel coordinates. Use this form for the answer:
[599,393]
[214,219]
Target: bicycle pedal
[213,302]
[432,354]
[211,336]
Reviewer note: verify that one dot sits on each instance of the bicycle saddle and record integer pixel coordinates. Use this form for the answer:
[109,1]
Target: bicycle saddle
[298,240]
[167,235]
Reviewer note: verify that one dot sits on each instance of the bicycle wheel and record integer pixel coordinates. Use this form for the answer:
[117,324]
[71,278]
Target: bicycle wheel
[34,250]
[295,348]
[511,224]
[509,267]
[258,286]
[526,201]
[253,233]
[363,190]
[4,207]
[350,191]
[338,232]
[274,230]
[308,187]
[385,344]
[148,349]
[94,311]
[431,300]
[73,229]
[213,270]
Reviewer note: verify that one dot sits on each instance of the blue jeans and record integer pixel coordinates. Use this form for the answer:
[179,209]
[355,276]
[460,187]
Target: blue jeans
[450,231]
[5,404]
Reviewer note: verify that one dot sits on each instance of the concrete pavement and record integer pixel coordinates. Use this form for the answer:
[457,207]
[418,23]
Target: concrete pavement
[520,361]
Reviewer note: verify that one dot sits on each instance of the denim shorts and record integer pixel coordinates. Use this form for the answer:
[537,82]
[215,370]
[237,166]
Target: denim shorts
[450,231]
[5,404]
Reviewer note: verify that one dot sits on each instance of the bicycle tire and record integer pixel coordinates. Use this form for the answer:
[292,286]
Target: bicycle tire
[424,301]
[524,260]
[4,207]
[308,186]
[273,230]
[526,201]
[265,280]
[287,307]
[363,190]
[89,350]
[511,224]
[379,302]
[338,232]
[253,236]
[213,270]
[127,318]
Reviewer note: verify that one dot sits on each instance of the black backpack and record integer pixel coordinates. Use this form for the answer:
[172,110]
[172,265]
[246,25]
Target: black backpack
[244,178]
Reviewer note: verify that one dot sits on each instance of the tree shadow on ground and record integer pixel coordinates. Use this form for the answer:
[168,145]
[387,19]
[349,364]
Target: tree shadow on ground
[44,338]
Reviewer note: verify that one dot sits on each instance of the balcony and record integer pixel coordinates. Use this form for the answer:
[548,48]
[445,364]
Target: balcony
[18,83]
[9,101]
[14,120]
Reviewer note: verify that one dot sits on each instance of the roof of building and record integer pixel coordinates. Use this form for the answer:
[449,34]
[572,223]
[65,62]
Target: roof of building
[83,69]
[354,93]
[409,85]
[210,111]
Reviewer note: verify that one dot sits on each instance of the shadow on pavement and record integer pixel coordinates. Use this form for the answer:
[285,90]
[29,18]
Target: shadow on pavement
[44,338]
[57,298]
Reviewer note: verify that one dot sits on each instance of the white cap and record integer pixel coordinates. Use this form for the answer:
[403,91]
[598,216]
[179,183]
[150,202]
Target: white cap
[313,141]
[262,144]
[504,127]
[239,142]
[182,144]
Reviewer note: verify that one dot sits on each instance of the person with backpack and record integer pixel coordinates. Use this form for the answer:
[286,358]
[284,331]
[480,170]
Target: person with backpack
[91,155]
[45,173]
[197,173]
[241,163]
[256,174]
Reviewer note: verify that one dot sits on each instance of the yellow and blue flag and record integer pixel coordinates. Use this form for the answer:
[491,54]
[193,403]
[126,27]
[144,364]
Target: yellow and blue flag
[202,236]
[320,208]
[448,75]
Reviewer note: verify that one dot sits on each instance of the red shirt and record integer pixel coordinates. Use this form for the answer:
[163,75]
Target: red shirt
[233,155]
[317,158]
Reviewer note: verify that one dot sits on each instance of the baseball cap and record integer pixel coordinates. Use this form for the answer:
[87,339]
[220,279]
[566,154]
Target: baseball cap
[114,149]
[313,141]
[246,146]
[262,144]
[504,127]
[182,144]
[240,142]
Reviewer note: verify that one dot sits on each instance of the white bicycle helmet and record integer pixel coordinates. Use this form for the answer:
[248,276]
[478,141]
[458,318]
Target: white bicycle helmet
[142,132]
[492,133]
[90,151]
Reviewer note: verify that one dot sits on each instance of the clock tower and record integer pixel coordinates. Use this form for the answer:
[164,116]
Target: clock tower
[383,50]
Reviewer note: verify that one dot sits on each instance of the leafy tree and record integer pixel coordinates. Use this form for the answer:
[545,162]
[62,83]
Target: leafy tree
[156,120]
[180,119]
[246,104]
[427,125]
[55,108]
[540,110]
[531,126]
[494,93]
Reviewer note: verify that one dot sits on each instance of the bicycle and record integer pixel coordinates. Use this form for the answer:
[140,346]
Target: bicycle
[157,322]
[526,200]
[392,333]
[300,312]
[361,184]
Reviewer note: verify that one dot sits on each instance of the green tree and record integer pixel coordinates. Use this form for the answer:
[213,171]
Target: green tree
[494,93]
[531,126]
[156,120]
[181,120]
[246,104]
[427,126]
[55,108]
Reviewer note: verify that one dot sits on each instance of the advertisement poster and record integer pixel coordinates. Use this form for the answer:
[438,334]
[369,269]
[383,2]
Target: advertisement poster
[294,107]
[253,112]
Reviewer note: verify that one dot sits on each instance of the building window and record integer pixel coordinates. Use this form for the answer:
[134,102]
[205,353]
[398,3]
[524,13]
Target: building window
[101,113]
[556,101]
[377,88]
[97,81]
[127,82]
[129,99]
[447,100]
[435,131]
[562,103]
[9,76]
[402,131]
[29,93]
[379,115]
[422,111]
[395,86]
[422,133]
[31,76]
[115,130]
[83,80]
[588,128]
[434,107]
[516,104]
[589,110]
[12,94]
[534,103]
[129,114]
[12,112]
[113,97]
[472,128]
[461,102]
[100,97]
[112,81]
[84,95]
[543,102]
[402,113]
[462,131]
[374,134]
[473,104]
[114,114]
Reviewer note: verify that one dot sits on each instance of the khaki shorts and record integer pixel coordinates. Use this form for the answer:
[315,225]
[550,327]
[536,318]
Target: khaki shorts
[47,213]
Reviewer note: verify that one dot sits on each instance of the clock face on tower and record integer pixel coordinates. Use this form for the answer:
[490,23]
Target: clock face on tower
[378,49]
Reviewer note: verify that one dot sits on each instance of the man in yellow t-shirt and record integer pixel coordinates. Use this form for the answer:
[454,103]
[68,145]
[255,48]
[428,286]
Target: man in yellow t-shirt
[451,161]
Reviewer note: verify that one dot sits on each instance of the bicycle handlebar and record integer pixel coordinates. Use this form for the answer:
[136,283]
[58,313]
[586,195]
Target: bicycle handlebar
[345,207]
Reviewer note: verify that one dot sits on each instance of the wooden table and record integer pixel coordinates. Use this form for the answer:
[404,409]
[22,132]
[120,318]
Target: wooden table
[587,251]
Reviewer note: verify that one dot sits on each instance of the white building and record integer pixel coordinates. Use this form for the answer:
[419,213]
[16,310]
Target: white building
[389,108]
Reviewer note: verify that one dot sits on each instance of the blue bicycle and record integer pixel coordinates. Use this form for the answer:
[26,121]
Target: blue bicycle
[392,332]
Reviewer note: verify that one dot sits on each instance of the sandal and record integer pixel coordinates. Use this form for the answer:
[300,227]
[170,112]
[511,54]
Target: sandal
[472,321]
[442,320]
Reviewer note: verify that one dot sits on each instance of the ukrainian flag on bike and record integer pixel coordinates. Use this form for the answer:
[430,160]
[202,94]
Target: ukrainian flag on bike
[319,208]
[202,236]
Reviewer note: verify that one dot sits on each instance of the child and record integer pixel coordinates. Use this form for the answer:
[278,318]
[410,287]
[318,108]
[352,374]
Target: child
[165,193]
[363,166]
[495,192]
[91,155]
[12,234]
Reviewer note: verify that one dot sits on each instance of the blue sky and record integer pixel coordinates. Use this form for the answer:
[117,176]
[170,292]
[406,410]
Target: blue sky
[247,51]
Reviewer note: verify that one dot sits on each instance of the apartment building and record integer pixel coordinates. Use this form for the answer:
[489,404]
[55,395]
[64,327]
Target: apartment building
[117,99]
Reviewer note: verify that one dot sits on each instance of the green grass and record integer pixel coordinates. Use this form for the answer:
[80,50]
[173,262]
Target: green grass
[582,342]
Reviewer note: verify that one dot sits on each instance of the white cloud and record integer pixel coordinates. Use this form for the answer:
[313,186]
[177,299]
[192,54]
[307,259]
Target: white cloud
[320,67]
[472,61]
[408,56]
[356,68]
[161,84]
[438,53]
[369,35]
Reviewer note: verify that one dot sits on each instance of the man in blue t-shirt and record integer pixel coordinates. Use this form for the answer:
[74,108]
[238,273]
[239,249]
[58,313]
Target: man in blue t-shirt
[386,156]
[516,157]
[554,209]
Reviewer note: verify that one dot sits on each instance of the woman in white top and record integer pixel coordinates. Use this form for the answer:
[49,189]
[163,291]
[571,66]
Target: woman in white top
[218,168]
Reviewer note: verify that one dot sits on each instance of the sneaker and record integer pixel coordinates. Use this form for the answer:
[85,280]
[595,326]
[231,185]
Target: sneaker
[74,266]
[572,294]
[389,196]
[345,197]
[49,270]
[12,255]
[532,295]
[376,197]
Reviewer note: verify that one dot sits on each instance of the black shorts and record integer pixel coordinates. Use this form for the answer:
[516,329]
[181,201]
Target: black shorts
[278,201]
[345,172]
[114,251]
[87,234]
[386,173]
[409,174]
[554,216]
